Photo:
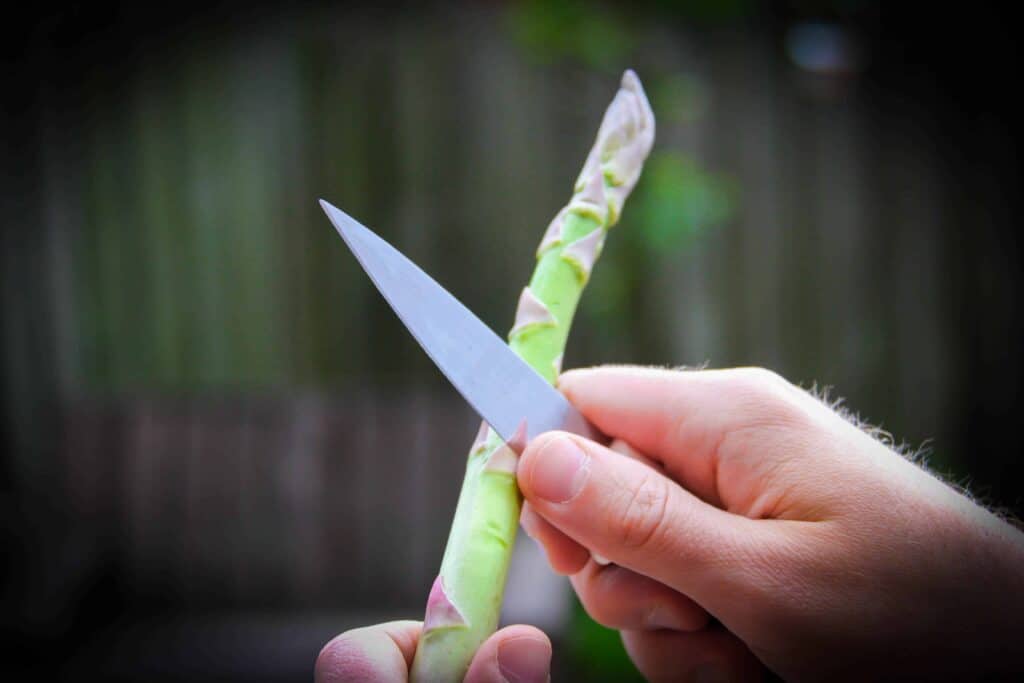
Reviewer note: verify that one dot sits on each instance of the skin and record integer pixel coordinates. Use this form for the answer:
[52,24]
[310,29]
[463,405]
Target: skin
[385,652]
[751,527]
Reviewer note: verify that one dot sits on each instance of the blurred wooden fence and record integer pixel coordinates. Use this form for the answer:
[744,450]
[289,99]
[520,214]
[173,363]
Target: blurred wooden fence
[274,502]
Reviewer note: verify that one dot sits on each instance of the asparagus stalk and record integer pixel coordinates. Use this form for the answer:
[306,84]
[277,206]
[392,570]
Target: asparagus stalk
[465,600]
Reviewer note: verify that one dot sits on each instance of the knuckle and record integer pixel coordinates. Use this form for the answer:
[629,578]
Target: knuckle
[769,398]
[643,512]
[760,381]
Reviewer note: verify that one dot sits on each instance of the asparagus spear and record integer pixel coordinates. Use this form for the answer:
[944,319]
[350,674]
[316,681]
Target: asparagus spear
[465,600]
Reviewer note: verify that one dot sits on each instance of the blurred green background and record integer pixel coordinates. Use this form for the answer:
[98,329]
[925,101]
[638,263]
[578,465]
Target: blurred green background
[222,448]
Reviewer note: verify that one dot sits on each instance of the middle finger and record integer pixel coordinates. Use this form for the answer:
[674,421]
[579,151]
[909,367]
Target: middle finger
[620,598]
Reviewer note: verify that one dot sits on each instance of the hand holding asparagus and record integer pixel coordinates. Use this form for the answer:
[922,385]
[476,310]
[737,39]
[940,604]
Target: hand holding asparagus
[819,552]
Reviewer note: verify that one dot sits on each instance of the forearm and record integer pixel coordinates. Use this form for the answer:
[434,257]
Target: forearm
[987,592]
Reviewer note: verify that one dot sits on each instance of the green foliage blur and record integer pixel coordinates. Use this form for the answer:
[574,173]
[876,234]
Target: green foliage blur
[549,31]
[679,201]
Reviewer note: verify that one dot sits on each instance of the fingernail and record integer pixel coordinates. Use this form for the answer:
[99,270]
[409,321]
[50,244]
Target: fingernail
[524,660]
[529,524]
[709,673]
[560,471]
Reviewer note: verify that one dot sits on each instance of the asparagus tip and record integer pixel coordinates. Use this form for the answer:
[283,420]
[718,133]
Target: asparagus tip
[623,142]
[591,200]
[441,611]
[531,311]
[481,437]
[582,253]
[553,235]
[502,460]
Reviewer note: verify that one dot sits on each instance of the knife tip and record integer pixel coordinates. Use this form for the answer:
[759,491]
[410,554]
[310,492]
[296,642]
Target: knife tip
[341,221]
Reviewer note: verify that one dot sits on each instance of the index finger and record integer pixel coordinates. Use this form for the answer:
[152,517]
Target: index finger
[681,419]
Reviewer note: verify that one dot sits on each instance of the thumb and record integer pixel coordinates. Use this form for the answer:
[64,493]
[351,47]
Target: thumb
[515,654]
[633,515]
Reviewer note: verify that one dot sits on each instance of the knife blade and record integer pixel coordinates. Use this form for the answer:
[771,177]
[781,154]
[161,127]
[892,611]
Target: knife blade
[501,387]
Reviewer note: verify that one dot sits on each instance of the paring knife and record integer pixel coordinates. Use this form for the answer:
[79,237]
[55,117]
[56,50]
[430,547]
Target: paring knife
[503,389]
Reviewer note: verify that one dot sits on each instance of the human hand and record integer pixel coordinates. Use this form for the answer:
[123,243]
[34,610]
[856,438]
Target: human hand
[384,653]
[819,551]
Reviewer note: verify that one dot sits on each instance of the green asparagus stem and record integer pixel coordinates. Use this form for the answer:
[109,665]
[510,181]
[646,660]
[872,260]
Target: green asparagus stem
[465,600]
